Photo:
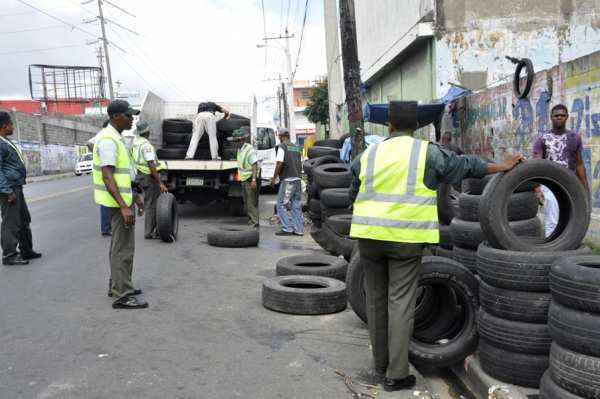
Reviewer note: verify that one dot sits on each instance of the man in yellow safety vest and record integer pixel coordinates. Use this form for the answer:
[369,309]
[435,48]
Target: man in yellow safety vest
[395,215]
[247,159]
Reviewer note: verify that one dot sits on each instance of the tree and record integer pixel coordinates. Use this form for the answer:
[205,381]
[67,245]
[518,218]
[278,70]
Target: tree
[317,109]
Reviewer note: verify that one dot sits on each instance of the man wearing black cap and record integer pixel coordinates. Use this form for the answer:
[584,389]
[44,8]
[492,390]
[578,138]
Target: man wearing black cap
[15,230]
[395,215]
[114,187]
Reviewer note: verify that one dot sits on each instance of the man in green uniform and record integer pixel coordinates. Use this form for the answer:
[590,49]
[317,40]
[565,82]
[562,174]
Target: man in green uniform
[114,180]
[247,159]
[147,166]
[395,215]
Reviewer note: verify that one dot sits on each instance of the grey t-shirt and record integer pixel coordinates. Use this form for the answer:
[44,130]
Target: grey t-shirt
[108,152]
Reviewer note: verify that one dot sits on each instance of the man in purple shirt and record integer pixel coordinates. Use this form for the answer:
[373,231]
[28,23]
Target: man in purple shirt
[563,147]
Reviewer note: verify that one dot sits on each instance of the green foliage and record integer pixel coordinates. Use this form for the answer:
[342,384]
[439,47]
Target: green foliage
[317,109]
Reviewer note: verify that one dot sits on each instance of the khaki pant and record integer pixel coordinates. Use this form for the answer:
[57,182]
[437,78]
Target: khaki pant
[205,122]
[249,195]
[15,228]
[391,272]
[151,192]
[122,248]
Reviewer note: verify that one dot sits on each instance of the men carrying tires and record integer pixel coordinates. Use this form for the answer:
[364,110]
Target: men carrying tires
[147,166]
[247,160]
[395,215]
[289,170]
[114,187]
[206,122]
[563,147]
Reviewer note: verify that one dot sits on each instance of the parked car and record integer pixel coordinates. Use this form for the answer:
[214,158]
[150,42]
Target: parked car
[84,164]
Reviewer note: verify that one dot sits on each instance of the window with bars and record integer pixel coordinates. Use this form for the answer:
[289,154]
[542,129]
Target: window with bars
[305,95]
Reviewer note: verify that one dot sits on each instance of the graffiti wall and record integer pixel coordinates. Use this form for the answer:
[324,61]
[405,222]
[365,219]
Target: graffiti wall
[32,155]
[494,123]
[58,158]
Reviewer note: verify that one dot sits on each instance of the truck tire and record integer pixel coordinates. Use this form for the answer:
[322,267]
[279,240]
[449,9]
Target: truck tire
[175,138]
[574,282]
[331,242]
[445,239]
[332,176]
[313,265]
[521,206]
[306,295]
[476,186]
[514,336]
[236,206]
[574,207]
[514,368]
[524,306]
[170,153]
[316,152]
[447,207]
[313,191]
[315,206]
[550,390]
[445,253]
[575,372]
[343,139]
[574,329]
[167,217]
[444,321]
[469,234]
[329,143]
[177,126]
[229,154]
[340,224]
[466,257]
[233,236]
[335,197]
[231,124]
[528,65]
[520,271]
[307,166]
[336,211]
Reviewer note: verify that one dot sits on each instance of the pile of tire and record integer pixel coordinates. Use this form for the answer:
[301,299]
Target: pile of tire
[307,285]
[515,271]
[174,134]
[573,321]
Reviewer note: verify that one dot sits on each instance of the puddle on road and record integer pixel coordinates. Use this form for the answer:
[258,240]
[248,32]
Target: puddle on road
[266,243]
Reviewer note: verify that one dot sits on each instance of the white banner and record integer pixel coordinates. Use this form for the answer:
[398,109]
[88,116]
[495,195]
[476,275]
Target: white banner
[267,160]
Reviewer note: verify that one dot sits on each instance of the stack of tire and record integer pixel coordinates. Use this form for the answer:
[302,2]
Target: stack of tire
[174,133]
[574,321]
[515,271]
[225,128]
[447,199]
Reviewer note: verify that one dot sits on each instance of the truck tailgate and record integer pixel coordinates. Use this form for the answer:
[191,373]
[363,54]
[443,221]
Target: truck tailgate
[193,164]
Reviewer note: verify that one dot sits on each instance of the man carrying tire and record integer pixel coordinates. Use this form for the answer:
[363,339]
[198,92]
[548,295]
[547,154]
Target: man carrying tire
[147,166]
[114,187]
[395,216]
[247,160]
[563,147]
[206,123]
[289,170]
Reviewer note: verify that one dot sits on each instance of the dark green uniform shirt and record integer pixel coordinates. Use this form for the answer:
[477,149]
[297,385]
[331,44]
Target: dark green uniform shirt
[441,166]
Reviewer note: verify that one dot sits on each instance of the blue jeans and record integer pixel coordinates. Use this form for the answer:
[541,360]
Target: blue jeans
[290,191]
[105,220]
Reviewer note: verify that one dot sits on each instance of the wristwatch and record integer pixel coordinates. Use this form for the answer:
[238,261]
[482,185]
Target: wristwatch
[253,179]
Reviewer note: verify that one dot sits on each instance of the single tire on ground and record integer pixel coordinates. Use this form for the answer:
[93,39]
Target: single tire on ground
[469,234]
[340,224]
[335,197]
[167,218]
[574,282]
[574,329]
[316,152]
[514,368]
[521,206]
[233,236]
[573,203]
[170,153]
[306,295]
[524,306]
[313,265]
[446,198]
[466,257]
[177,126]
[550,390]
[575,372]
[332,176]
[521,271]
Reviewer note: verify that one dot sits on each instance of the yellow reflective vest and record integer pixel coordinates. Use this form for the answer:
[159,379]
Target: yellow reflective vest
[243,160]
[121,175]
[138,148]
[393,203]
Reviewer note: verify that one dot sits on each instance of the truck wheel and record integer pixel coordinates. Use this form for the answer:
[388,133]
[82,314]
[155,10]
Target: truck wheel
[236,205]
[233,236]
[167,218]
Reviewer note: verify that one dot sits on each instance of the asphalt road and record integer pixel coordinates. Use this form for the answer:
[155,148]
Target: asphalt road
[205,334]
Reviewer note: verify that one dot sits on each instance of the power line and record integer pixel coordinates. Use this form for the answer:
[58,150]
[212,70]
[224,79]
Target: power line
[301,37]
[30,30]
[42,49]
[83,8]
[60,20]
[140,76]
[126,12]
[31,12]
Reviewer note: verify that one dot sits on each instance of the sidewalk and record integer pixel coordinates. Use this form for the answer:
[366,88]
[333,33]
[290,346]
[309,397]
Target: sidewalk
[35,179]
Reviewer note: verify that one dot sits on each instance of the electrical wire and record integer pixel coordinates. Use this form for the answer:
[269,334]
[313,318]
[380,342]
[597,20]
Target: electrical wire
[140,76]
[301,37]
[31,30]
[60,20]
[42,49]
[31,12]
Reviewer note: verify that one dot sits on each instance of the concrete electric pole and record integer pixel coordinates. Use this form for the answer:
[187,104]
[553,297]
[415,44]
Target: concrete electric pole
[109,77]
[334,72]
[352,76]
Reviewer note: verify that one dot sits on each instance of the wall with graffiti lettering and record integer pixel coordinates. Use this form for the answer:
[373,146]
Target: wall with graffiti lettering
[494,123]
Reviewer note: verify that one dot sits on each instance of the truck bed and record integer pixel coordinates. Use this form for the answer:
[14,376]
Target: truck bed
[193,164]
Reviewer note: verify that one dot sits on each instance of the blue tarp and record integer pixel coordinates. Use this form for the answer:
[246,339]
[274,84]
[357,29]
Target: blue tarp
[345,151]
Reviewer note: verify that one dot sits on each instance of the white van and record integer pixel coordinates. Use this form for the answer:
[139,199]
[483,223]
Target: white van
[266,138]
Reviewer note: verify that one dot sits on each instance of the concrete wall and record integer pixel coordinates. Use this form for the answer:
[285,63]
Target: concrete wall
[494,123]
[51,144]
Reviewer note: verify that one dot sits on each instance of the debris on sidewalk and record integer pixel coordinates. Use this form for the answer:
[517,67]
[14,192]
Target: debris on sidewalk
[274,220]
[352,389]
[498,392]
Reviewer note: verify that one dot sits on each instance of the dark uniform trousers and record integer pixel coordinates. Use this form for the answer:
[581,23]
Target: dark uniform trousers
[151,192]
[248,196]
[391,272]
[15,228]
[122,248]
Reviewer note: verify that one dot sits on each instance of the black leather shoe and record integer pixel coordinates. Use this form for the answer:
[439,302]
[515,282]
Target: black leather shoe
[135,292]
[396,385]
[284,233]
[130,302]
[18,261]
[106,234]
[32,255]
[381,370]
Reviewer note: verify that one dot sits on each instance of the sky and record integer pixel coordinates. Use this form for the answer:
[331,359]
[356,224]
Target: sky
[182,50]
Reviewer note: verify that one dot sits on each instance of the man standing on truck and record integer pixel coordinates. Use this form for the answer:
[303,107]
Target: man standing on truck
[206,123]
[247,160]
[114,187]
[289,170]
[147,166]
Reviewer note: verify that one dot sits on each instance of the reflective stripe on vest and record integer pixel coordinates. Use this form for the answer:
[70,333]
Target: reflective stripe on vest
[393,203]
[244,165]
[138,158]
[14,148]
[121,174]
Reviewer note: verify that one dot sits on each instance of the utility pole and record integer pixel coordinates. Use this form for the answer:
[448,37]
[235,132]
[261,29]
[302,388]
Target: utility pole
[352,76]
[279,106]
[335,91]
[110,85]
[285,106]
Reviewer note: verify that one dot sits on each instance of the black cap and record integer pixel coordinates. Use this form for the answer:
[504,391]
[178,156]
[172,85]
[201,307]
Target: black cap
[121,107]
[403,113]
